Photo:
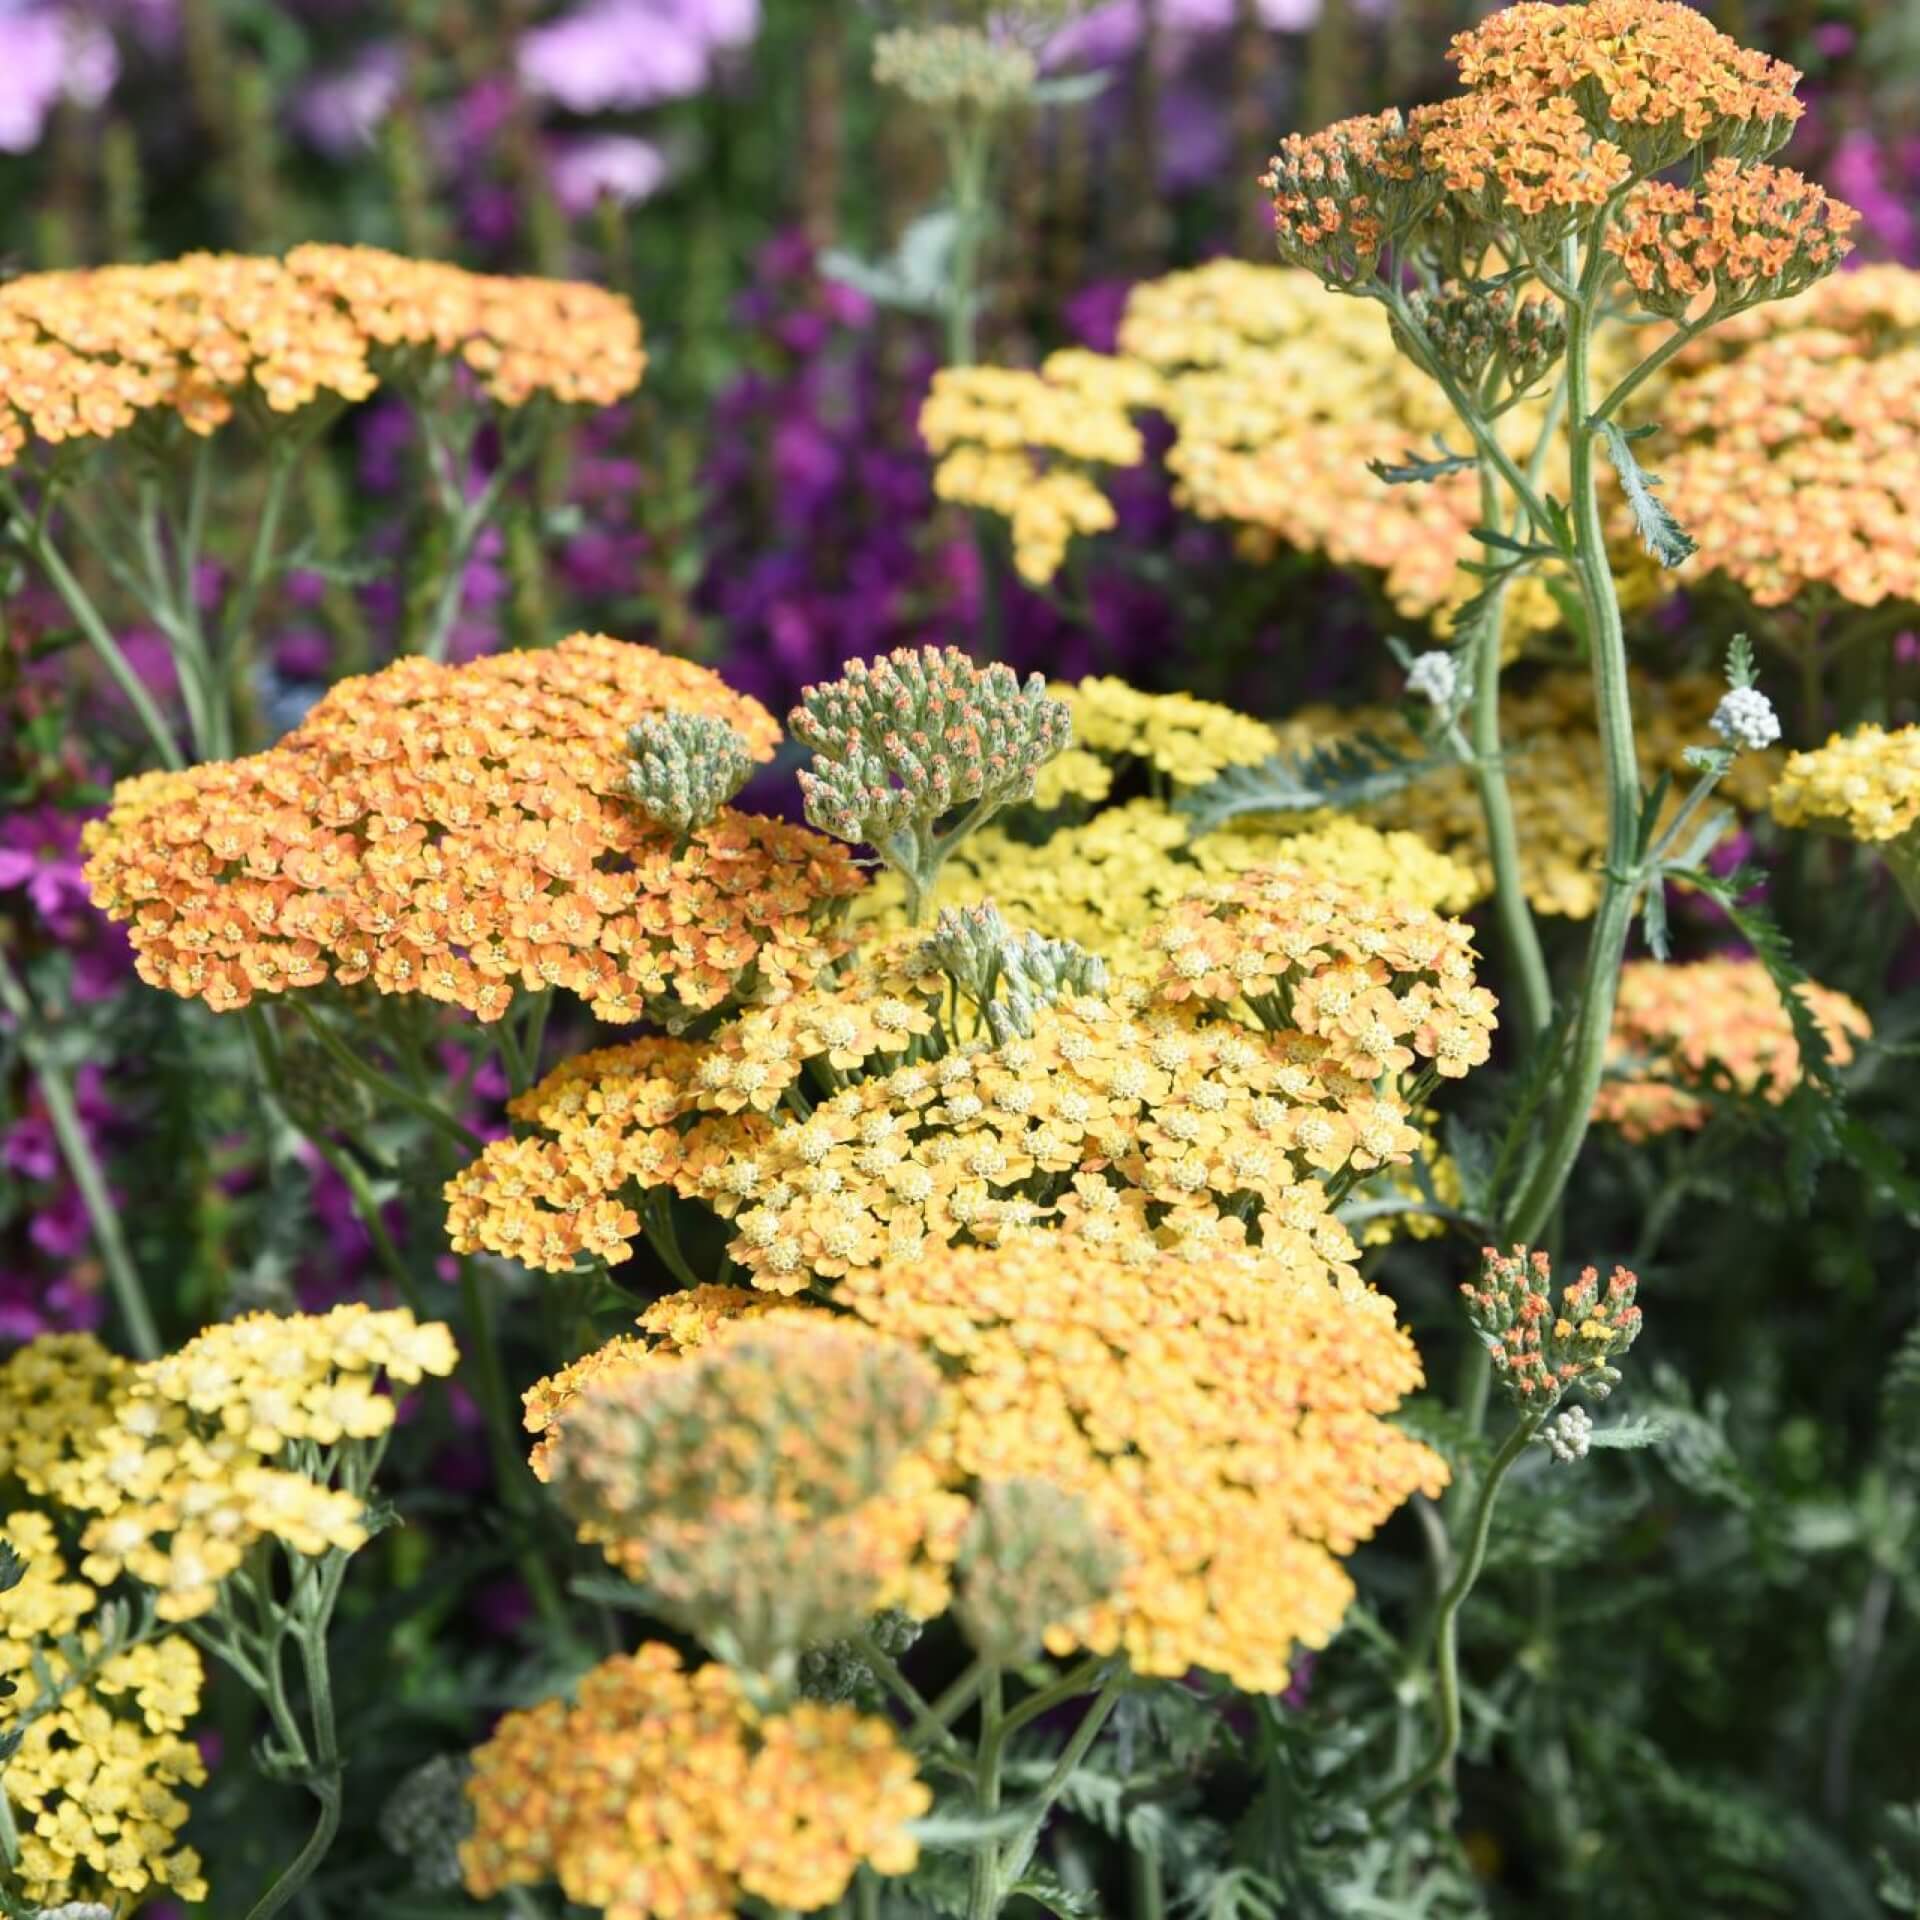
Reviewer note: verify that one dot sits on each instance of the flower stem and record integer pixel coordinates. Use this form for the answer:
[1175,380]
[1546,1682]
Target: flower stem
[1439,1761]
[70,1133]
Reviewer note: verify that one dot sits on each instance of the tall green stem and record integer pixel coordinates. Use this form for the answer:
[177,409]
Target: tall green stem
[1607,943]
[32,534]
[70,1134]
[1517,930]
[983,1898]
[1439,1761]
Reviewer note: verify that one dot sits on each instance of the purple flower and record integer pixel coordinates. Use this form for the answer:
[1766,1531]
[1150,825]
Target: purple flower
[39,854]
[614,166]
[340,111]
[48,54]
[616,53]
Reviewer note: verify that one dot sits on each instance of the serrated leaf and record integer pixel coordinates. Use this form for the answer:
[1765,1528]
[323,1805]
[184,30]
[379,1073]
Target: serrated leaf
[1660,533]
[1415,470]
[1900,1401]
[1045,1891]
[1629,1435]
[1741,671]
[1347,773]
[951,1830]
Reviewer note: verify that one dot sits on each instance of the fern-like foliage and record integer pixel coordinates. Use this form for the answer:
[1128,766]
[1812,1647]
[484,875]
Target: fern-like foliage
[1660,533]
[1354,771]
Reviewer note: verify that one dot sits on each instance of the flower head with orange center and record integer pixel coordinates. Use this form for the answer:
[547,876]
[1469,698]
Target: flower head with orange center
[663,1794]
[459,831]
[1679,1031]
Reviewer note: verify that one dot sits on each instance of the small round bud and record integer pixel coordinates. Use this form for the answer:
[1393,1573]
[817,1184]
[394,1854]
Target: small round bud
[1745,720]
[1568,1435]
[685,768]
[1435,677]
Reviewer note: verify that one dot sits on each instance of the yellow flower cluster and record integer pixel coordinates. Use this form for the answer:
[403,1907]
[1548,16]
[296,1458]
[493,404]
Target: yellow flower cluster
[182,1463]
[1373,985]
[1188,740]
[664,1795]
[94,1785]
[1713,1023]
[1559,811]
[85,354]
[1279,392]
[1799,456]
[1126,1382]
[455,831]
[1129,1385]
[1102,884]
[1017,444]
[1865,784]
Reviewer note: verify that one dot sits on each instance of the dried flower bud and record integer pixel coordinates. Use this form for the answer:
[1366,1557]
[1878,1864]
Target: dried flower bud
[1745,720]
[1540,1349]
[951,67]
[685,768]
[1033,1557]
[1568,1435]
[902,741]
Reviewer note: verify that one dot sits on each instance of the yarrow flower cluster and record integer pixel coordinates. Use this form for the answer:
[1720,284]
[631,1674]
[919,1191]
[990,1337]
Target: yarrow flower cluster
[1543,1347]
[1681,1031]
[686,767]
[458,832]
[1119,1384]
[661,1793]
[86,354]
[1799,443]
[1865,784]
[95,1763]
[180,1464]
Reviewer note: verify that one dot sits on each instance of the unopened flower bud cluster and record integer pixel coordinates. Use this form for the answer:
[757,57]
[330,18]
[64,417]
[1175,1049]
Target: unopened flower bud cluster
[1541,1348]
[902,740]
[1033,1556]
[1467,328]
[954,67]
[686,767]
[1568,1435]
[1009,976]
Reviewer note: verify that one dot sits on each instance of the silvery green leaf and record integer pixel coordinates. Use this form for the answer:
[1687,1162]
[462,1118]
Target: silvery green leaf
[1741,671]
[1629,1434]
[1070,89]
[1660,533]
[1416,469]
[915,279]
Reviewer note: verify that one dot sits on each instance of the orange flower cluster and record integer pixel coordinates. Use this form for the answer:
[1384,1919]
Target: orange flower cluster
[1341,194]
[1221,1419]
[1799,458]
[664,1795]
[1655,75]
[1743,235]
[84,354]
[1518,155]
[1375,984]
[450,831]
[1679,1030]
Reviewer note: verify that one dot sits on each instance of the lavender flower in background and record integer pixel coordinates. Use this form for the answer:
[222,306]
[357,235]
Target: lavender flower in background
[632,53]
[49,54]
[340,111]
[587,168]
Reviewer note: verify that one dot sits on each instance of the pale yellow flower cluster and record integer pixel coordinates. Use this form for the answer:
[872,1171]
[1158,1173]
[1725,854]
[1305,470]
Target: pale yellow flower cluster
[1188,740]
[1017,444]
[665,1795]
[1103,883]
[179,1465]
[95,1783]
[1555,774]
[1865,784]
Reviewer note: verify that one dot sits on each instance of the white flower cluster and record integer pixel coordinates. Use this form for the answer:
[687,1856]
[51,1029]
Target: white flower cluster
[1745,720]
[1435,677]
[1567,1436]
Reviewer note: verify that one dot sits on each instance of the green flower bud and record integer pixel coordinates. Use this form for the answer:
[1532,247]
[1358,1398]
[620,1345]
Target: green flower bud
[685,768]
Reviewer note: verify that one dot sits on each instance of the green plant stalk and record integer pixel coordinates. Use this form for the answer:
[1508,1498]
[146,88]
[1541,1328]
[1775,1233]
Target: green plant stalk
[1515,917]
[1445,1632]
[983,1890]
[1019,1850]
[969,152]
[1613,921]
[469,520]
[70,1134]
[419,1105]
[39,543]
